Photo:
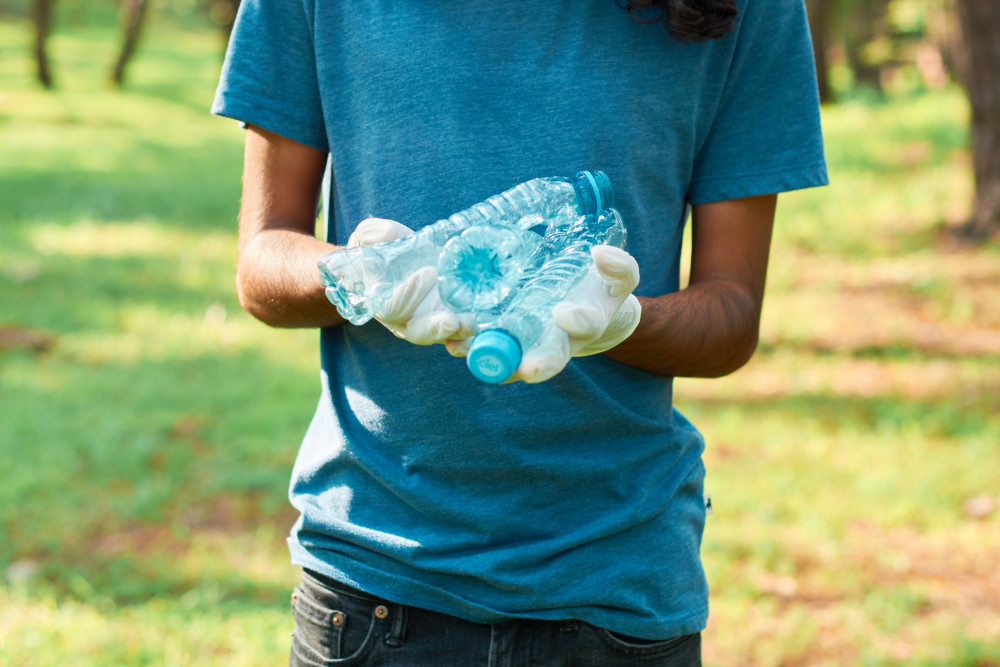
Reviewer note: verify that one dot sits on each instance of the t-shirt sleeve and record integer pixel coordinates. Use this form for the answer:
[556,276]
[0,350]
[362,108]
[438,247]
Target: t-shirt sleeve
[766,137]
[269,75]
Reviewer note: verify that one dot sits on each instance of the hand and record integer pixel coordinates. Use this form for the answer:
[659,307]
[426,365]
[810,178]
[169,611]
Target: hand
[597,314]
[414,312]
[601,311]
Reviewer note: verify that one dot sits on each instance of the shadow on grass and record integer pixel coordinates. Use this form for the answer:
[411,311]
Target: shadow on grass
[101,294]
[143,472]
[951,350]
[974,415]
[133,469]
[203,196]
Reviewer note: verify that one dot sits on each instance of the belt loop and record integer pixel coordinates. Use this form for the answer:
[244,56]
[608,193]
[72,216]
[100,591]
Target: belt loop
[569,625]
[396,636]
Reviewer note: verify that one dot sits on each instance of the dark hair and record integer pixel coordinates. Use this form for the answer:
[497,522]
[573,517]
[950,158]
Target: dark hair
[685,20]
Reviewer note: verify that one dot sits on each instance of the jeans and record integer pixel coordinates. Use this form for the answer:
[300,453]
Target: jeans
[337,625]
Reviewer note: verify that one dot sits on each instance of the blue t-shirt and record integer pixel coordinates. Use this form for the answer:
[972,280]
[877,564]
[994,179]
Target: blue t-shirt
[580,497]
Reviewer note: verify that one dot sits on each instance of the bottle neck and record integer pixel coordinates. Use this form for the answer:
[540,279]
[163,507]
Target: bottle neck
[593,191]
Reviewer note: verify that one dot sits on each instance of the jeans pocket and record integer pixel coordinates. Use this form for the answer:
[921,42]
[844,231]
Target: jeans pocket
[681,650]
[331,629]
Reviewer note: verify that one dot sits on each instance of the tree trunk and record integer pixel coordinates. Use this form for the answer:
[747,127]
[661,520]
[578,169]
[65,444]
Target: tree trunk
[228,17]
[979,21]
[41,15]
[865,22]
[135,12]
[819,14]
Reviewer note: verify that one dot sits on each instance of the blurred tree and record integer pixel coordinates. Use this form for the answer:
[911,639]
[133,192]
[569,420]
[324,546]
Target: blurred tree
[134,17]
[979,22]
[867,43]
[935,55]
[819,25]
[881,43]
[223,14]
[857,33]
[41,17]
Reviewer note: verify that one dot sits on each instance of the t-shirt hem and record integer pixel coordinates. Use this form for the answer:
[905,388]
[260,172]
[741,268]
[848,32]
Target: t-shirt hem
[752,185]
[691,623]
[228,105]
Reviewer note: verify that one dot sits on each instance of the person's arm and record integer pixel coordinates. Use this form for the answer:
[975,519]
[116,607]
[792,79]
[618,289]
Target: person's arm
[277,270]
[277,277]
[710,328]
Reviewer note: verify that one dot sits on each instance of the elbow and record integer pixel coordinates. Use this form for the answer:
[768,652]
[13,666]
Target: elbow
[256,291]
[740,333]
[741,351]
[252,301]
[249,303]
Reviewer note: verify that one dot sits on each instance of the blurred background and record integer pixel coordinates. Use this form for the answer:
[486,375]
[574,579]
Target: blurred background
[148,425]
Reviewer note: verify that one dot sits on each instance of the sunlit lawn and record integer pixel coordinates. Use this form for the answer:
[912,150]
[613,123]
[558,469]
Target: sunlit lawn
[146,450]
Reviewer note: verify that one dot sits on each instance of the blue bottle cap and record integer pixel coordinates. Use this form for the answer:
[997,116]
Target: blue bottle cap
[493,356]
[604,188]
[594,190]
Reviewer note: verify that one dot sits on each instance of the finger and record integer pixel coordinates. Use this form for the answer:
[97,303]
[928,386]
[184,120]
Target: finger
[429,329]
[433,322]
[621,326]
[466,326]
[377,230]
[458,343]
[458,347]
[405,298]
[618,268]
[546,358]
[586,310]
[580,320]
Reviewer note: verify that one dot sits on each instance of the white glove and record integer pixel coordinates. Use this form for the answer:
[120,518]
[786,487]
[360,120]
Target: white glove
[597,314]
[414,312]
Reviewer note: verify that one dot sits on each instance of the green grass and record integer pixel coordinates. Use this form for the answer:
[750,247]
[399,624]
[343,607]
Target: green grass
[842,458]
[142,491]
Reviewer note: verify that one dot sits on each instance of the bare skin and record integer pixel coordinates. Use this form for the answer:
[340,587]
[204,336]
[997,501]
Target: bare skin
[708,329]
[276,274]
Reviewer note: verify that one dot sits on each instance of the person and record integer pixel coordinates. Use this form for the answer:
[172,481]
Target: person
[446,521]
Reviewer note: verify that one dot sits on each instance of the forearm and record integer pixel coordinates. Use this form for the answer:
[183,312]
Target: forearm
[709,329]
[277,272]
[277,279]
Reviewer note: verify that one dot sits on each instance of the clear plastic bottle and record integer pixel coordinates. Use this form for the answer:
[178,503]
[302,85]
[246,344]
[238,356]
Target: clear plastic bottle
[480,269]
[497,347]
[359,280]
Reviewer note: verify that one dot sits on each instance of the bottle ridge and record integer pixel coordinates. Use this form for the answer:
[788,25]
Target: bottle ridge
[359,280]
[500,342]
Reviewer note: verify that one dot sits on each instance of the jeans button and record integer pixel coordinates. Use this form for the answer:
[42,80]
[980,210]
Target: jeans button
[381,611]
[337,619]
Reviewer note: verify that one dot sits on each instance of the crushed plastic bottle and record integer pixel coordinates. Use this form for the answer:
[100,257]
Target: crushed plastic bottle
[498,346]
[480,269]
[359,280]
